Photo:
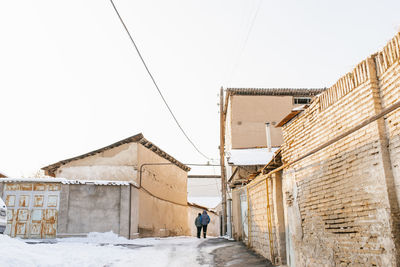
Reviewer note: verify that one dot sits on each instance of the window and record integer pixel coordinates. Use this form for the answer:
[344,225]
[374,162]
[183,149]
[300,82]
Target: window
[302,100]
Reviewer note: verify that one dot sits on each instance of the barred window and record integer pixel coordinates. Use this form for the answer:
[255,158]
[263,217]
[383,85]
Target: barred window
[302,100]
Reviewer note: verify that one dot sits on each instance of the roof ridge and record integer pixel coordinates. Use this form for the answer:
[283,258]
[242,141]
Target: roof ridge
[138,138]
[275,91]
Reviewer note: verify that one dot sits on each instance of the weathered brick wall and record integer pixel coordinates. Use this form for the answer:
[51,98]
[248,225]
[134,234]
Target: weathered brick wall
[388,72]
[339,206]
[258,232]
[257,221]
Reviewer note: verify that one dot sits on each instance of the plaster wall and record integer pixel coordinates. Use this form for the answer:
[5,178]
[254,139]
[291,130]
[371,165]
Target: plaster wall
[158,217]
[213,228]
[153,216]
[247,118]
[118,163]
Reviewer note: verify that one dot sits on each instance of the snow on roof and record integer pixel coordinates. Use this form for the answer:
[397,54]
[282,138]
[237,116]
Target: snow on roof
[208,202]
[64,181]
[250,156]
[2,174]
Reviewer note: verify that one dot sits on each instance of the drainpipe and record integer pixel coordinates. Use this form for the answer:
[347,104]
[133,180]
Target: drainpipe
[229,220]
[268,132]
[130,211]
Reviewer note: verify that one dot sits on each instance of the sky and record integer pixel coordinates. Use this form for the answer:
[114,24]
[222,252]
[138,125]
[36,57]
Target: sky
[71,82]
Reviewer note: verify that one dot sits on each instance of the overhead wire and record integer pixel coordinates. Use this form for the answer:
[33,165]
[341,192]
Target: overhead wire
[155,83]
[216,183]
[246,39]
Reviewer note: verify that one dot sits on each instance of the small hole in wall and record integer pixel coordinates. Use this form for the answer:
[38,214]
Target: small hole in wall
[239,123]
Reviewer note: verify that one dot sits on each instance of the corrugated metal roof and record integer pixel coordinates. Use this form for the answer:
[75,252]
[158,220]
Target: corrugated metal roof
[276,91]
[139,138]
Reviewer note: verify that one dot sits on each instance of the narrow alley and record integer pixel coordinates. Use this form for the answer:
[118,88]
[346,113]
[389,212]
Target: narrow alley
[107,249]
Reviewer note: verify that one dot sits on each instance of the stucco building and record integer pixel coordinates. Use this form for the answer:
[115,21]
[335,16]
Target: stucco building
[158,183]
[251,117]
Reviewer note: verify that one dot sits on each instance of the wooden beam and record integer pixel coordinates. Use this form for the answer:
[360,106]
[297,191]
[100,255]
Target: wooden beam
[205,176]
[222,159]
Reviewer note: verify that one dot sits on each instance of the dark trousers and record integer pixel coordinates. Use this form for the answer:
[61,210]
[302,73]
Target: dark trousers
[204,230]
[198,231]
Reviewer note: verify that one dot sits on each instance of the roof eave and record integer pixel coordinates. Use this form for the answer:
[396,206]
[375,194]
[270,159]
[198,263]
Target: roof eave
[138,138]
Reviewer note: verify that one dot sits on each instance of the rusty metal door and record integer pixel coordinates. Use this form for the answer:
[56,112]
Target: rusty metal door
[32,209]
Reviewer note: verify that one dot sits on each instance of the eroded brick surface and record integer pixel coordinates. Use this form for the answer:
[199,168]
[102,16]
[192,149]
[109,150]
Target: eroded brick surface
[341,204]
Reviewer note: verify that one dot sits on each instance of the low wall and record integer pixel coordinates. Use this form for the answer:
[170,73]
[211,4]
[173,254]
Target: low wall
[47,209]
[93,208]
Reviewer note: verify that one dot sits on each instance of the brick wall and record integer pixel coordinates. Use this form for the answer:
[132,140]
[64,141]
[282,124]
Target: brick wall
[341,204]
[258,237]
[388,70]
[344,204]
[258,233]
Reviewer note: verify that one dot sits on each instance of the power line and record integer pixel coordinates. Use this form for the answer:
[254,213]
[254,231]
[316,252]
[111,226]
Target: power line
[237,60]
[155,83]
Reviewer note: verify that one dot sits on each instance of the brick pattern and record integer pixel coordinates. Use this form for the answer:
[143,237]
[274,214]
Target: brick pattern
[259,239]
[389,83]
[346,204]
[343,191]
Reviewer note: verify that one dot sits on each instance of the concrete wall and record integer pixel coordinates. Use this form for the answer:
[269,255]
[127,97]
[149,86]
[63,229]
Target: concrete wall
[247,116]
[342,203]
[88,208]
[213,228]
[80,208]
[158,217]
[118,163]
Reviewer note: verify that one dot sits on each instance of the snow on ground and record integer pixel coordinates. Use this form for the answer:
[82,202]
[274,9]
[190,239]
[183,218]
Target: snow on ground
[104,249]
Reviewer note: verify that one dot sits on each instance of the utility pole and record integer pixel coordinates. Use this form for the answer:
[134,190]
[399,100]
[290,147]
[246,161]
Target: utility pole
[222,159]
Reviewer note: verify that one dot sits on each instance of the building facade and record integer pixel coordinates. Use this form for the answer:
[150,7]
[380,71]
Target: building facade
[251,117]
[159,182]
[333,198]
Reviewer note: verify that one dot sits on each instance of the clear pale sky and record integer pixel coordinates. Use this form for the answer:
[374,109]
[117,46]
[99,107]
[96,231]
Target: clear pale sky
[71,82]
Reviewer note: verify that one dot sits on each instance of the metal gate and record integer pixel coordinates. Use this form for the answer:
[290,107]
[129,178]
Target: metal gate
[32,209]
[244,218]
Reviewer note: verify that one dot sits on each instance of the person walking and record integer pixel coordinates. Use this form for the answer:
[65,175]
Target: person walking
[205,220]
[198,224]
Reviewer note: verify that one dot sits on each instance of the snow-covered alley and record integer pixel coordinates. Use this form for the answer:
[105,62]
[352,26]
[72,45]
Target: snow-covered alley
[107,249]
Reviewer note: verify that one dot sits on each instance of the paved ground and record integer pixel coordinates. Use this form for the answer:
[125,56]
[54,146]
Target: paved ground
[233,254]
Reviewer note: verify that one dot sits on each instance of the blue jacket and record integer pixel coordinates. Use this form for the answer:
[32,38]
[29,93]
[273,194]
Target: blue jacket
[205,219]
